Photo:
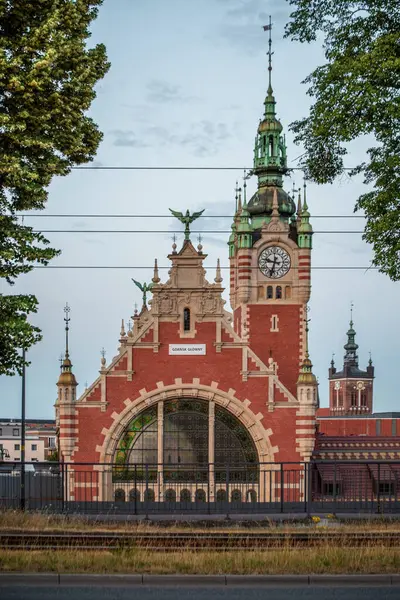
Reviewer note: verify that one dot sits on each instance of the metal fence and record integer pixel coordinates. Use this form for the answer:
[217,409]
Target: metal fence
[319,486]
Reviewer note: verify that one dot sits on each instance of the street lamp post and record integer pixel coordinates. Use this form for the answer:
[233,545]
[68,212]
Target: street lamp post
[22,494]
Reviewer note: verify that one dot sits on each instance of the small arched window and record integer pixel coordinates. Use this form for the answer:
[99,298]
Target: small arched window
[363,399]
[221,495]
[185,496]
[288,292]
[119,495]
[340,398]
[186,319]
[149,495]
[278,294]
[170,496]
[271,145]
[353,399]
[200,496]
[270,292]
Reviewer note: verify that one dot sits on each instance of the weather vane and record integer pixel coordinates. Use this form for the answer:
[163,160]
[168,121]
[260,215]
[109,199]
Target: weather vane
[186,219]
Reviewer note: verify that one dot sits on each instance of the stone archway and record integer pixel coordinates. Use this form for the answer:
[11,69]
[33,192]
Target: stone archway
[241,410]
[227,400]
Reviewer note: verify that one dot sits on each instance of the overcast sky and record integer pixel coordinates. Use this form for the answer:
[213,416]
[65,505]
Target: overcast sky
[186,88]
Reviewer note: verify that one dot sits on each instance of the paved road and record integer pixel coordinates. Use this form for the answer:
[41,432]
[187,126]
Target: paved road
[197,593]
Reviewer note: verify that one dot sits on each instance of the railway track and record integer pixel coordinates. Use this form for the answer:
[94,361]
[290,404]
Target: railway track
[172,542]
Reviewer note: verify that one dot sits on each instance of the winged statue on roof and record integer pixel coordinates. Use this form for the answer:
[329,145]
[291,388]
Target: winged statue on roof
[186,219]
[144,288]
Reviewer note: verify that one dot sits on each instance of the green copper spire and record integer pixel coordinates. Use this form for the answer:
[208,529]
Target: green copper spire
[304,228]
[351,347]
[244,229]
[270,161]
[306,375]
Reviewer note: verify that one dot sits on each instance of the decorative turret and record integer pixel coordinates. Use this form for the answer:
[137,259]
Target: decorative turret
[306,375]
[307,395]
[66,399]
[66,378]
[351,389]
[304,228]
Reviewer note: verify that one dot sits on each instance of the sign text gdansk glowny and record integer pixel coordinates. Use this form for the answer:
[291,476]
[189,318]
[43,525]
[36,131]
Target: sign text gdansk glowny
[194,349]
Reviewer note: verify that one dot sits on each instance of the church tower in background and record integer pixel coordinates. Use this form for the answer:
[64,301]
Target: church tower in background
[270,253]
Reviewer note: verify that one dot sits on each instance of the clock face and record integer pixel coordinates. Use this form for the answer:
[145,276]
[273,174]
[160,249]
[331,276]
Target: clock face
[274,262]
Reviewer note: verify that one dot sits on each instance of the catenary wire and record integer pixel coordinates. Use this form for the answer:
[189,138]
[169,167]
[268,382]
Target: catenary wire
[169,231]
[176,168]
[209,268]
[128,216]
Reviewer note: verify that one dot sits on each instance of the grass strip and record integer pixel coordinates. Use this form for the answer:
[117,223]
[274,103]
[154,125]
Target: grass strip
[19,521]
[326,560]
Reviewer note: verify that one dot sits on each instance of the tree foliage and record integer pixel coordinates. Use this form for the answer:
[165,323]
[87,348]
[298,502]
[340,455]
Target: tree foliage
[47,85]
[356,93]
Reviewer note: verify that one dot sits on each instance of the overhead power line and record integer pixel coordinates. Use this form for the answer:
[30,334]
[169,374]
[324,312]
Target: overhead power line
[128,216]
[174,168]
[168,231]
[208,267]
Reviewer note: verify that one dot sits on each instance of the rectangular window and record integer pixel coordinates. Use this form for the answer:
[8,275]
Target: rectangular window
[394,427]
[386,488]
[329,487]
[52,442]
[15,432]
[378,427]
[1,431]
[34,447]
[16,446]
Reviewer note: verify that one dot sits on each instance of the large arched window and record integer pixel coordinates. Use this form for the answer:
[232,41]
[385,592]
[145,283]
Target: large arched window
[183,443]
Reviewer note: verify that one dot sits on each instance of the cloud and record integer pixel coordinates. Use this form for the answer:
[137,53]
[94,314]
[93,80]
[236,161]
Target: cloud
[202,138]
[242,22]
[162,92]
[127,138]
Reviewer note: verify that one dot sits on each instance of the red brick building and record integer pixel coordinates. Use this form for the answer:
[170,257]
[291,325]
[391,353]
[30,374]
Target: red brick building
[193,384]
[196,392]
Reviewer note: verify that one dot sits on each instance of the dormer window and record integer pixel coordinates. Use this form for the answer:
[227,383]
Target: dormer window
[186,319]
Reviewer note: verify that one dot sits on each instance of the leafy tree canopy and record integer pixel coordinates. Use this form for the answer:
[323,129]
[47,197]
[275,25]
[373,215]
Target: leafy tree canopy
[356,92]
[47,81]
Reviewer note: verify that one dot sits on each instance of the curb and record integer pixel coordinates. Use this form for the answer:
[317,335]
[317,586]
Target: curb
[128,580]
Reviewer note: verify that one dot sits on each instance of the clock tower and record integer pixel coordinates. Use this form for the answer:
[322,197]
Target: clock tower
[270,254]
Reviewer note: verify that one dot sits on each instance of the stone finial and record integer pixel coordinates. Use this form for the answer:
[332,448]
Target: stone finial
[174,244]
[299,208]
[122,332]
[218,277]
[103,358]
[156,278]
[199,245]
[240,199]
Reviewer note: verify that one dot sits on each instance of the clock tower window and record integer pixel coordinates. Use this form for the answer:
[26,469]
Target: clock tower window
[270,292]
[288,292]
[278,293]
